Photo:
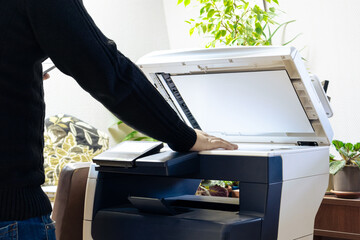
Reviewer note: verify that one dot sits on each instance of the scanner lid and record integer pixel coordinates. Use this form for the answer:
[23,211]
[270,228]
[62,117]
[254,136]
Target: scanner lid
[242,94]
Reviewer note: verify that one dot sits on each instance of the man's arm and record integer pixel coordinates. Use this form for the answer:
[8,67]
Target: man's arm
[68,35]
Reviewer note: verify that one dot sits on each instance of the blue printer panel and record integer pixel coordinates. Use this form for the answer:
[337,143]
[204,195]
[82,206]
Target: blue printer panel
[192,165]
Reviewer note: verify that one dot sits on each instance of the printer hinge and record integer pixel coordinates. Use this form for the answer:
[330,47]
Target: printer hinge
[307,143]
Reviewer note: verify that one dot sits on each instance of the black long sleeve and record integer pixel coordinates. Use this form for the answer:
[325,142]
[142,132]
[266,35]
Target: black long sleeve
[31,31]
[67,34]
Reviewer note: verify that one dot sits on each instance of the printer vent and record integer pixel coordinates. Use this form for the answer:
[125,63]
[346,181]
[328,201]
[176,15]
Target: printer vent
[305,99]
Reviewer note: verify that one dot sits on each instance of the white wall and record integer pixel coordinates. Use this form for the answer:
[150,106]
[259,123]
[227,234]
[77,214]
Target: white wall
[331,37]
[178,29]
[137,27]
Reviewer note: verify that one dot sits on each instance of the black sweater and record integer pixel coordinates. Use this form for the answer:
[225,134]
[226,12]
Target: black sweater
[31,31]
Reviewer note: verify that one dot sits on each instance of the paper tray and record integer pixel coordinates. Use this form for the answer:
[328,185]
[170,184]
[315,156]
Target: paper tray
[129,223]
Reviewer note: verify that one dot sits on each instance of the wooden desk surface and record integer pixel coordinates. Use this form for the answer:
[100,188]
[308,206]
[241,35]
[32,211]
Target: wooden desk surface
[332,199]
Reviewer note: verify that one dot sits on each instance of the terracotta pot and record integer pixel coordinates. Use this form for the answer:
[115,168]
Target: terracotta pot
[235,193]
[347,179]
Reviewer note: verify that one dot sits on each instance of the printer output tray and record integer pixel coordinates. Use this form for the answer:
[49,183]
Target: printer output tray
[189,223]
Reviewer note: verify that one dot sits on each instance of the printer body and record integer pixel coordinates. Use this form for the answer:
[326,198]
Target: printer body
[261,98]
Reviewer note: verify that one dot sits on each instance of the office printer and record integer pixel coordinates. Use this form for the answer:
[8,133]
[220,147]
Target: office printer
[261,98]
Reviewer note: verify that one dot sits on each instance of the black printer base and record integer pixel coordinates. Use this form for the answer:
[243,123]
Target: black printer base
[130,224]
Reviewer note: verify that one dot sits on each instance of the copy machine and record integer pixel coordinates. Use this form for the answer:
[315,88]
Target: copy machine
[261,98]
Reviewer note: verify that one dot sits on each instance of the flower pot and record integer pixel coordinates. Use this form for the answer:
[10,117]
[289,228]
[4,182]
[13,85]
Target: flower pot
[347,180]
[235,193]
[330,184]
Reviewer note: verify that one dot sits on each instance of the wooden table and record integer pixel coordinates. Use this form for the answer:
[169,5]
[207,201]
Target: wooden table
[338,218]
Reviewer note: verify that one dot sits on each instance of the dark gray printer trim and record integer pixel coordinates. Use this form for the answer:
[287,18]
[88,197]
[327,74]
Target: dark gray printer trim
[260,187]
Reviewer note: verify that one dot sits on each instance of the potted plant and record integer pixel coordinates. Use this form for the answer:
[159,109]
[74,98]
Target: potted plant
[121,132]
[346,170]
[218,188]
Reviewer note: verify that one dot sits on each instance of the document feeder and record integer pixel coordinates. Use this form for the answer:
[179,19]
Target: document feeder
[260,98]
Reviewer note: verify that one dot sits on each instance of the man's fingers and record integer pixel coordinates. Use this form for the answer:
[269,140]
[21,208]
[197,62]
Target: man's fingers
[220,143]
[205,141]
[46,76]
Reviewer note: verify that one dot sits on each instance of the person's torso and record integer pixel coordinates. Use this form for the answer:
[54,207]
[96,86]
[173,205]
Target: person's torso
[22,106]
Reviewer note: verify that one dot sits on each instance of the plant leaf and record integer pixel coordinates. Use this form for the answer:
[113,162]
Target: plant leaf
[343,153]
[179,1]
[211,13]
[349,147]
[202,10]
[228,9]
[204,28]
[258,28]
[186,2]
[210,27]
[246,5]
[336,166]
[292,39]
[280,26]
[149,139]
[191,30]
[218,35]
[357,146]
[338,144]
[130,136]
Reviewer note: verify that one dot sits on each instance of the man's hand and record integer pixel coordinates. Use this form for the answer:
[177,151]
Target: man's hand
[207,142]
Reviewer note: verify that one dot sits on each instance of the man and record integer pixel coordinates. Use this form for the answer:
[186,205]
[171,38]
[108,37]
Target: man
[31,31]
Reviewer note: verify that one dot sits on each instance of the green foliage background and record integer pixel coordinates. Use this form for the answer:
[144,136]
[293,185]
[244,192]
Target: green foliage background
[236,22]
[135,135]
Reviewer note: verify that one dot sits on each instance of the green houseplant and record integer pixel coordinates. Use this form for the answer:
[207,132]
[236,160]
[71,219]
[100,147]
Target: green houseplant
[121,132]
[346,170]
[236,22]
[134,135]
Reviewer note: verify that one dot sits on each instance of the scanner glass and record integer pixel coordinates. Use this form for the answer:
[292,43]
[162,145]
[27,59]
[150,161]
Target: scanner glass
[260,103]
